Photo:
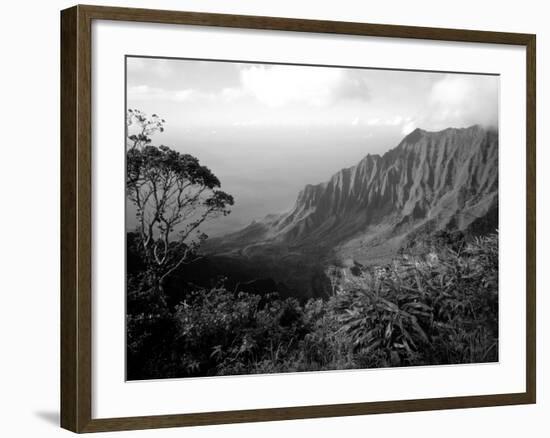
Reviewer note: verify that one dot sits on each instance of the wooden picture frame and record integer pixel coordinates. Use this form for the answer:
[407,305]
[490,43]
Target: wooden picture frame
[76,218]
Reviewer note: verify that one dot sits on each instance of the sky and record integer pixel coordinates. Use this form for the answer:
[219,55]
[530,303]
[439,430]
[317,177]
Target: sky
[267,130]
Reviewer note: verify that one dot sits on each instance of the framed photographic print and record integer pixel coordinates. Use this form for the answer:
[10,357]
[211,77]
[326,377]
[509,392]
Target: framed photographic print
[271,218]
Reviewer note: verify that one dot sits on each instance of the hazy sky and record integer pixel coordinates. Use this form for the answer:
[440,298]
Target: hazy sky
[267,130]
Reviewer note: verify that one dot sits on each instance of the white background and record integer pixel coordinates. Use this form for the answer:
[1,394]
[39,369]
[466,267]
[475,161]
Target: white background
[30,219]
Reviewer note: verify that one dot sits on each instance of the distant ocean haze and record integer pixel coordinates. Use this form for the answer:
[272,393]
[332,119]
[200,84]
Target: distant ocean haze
[264,168]
[431,182]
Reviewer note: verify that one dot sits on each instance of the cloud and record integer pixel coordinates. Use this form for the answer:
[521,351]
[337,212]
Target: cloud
[464,100]
[353,86]
[375,121]
[277,86]
[395,121]
[161,68]
[231,93]
[147,93]
[408,127]
[282,95]
[391,122]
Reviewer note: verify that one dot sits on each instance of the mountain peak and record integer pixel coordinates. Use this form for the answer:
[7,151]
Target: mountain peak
[437,180]
[431,181]
[414,136]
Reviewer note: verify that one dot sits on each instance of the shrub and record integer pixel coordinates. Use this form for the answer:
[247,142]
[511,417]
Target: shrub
[440,308]
[415,311]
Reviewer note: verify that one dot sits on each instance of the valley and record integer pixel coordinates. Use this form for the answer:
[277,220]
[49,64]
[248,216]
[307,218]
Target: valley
[431,182]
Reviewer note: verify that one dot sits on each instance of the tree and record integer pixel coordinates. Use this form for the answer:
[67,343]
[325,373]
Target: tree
[173,195]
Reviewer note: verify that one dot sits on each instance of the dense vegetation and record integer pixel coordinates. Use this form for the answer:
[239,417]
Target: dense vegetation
[436,304]
[436,308]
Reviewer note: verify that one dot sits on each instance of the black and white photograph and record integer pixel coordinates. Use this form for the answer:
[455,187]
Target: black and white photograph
[237,219]
[304,218]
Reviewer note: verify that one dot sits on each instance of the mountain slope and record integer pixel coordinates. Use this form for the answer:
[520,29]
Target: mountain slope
[430,181]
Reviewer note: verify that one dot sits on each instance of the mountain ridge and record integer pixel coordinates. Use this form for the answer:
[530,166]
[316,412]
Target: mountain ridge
[438,179]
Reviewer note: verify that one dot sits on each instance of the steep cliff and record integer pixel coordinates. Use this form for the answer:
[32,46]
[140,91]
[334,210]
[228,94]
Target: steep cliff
[446,180]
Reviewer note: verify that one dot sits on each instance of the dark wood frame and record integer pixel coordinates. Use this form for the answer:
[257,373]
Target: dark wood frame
[76,173]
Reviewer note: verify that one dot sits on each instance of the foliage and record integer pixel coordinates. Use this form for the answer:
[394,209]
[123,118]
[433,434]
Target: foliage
[440,308]
[438,311]
[172,194]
